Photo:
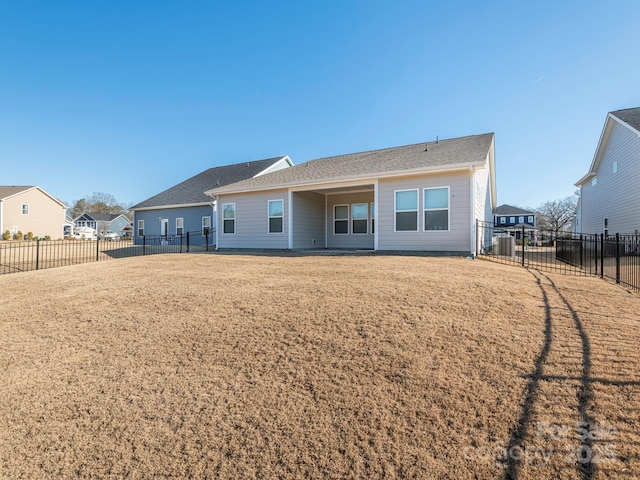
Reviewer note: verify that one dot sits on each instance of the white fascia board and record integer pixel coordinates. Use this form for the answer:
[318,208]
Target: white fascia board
[365,179]
[167,207]
[272,167]
[597,157]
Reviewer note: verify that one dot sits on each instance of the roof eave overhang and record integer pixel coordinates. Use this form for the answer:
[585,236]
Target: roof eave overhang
[36,188]
[597,157]
[165,207]
[355,178]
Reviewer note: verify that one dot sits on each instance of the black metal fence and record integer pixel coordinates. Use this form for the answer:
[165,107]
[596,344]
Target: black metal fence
[22,256]
[616,257]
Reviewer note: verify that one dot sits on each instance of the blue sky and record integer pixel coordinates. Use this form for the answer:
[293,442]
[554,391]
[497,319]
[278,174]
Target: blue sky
[130,98]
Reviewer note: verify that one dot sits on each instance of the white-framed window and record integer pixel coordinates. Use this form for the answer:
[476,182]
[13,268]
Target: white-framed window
[531,219]
[605,224]
[373,218]
[276,216]
[340,219]
[25,209]
[436,209]
[179,226]
[520,219]
[206,225]
[512,220]
[615,167]
[359,218]
[228,218]
[594,181]
[141,228]
[406,210]
[503,220]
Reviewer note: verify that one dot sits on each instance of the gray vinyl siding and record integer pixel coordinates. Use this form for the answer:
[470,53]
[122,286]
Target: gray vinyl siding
[251,228]
[616,196]
[457,239]
[308,220]
[192,220]
[350,240]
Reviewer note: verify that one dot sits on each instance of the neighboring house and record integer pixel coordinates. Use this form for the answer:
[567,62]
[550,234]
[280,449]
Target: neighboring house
[610,191]
[422,197]
[103,222]
[508,216]
[515,219]
[185,207]
[31,209]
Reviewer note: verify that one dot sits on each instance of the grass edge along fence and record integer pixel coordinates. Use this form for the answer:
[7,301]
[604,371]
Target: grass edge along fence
[22,256]
[616,257]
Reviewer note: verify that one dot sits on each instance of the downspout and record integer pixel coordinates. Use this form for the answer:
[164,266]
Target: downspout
[214,214]
[375,215]
[472,200]
[290,219]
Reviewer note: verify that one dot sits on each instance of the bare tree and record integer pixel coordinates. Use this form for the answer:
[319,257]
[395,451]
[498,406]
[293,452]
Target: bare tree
[98,202]
[557,215]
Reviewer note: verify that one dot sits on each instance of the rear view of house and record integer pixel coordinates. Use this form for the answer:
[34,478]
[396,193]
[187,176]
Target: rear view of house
[185,207]
[421,197]
[31,209]
[610,192]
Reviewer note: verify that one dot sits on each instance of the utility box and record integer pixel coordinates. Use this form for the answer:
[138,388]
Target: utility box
[504,246]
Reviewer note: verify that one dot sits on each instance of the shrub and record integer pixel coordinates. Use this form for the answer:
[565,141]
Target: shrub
[30,236]
[18,236]
[6,235]
[47,237]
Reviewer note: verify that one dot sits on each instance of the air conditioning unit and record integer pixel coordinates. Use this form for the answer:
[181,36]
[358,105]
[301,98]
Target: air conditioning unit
[504,246]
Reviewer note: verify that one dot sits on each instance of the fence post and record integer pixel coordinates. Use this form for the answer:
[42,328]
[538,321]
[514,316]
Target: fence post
[187,242]
[144,245]
[477,237]
[602,255]
[596,254]
[581,253]
[206,239]
[617,258]
[97,249]
[180,243]
[37,253]
[523,245]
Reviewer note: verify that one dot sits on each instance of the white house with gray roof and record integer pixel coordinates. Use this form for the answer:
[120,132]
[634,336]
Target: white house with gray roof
[421,197]
[610,191]
[185,207]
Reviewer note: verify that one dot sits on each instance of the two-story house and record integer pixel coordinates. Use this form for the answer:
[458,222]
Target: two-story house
[610,191]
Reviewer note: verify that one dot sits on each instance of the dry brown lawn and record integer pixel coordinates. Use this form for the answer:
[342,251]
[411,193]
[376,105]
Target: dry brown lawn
[234,366]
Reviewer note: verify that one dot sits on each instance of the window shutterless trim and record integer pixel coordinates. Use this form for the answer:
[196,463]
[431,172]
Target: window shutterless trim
[269,217]
[341,219]
[180,227]
[396,211]
[440,209]
[141,228]
[229,219]
[365,219]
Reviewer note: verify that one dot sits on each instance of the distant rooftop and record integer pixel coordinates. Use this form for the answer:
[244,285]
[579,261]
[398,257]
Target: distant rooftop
[630,116]
[511,210]
[191,191]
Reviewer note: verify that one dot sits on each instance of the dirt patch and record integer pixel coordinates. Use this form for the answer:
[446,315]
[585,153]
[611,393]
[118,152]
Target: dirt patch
[232,366]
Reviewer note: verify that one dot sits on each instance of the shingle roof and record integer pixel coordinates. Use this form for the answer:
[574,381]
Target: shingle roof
[630,116]
[7,191]
[191,191]
[373,163]
[101,217]
[510,210]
